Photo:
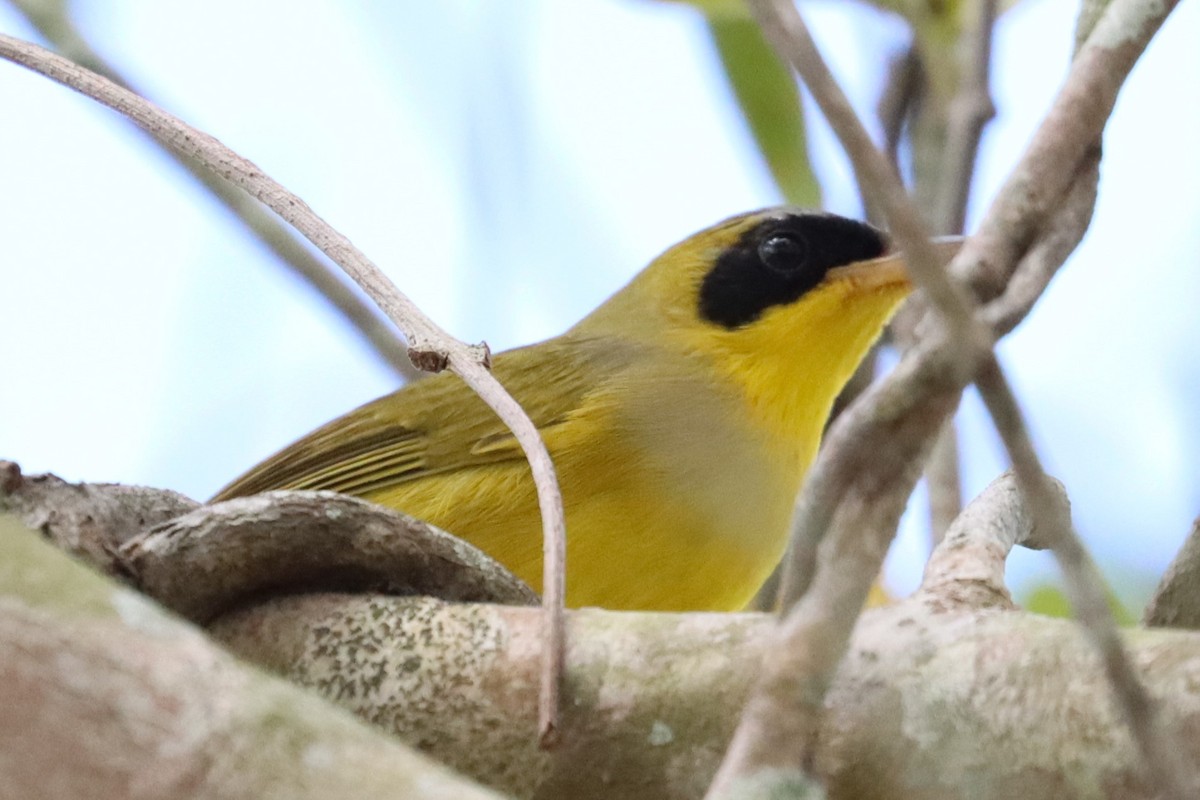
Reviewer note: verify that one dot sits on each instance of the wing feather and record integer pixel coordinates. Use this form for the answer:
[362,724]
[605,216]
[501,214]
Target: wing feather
[438,424]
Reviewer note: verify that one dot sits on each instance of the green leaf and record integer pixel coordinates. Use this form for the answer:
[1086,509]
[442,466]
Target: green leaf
[1049,600]
[766,92]
[716,8]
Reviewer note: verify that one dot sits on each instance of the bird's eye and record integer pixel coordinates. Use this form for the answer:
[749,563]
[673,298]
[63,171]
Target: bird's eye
[783,252]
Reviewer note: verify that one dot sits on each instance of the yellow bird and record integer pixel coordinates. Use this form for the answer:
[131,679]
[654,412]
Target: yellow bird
[681,416]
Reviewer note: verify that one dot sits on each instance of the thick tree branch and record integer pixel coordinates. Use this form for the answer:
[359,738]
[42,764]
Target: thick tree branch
[104,695]
[652,697]
[205,562]
[90,520]
[1176,601]
[924,698]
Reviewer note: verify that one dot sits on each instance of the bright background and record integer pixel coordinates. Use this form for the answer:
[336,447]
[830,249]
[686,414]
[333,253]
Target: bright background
[510,163]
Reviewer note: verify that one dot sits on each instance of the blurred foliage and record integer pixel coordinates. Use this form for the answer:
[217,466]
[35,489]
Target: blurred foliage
[715,9]
[1048,599]
[767,93]
[769,99]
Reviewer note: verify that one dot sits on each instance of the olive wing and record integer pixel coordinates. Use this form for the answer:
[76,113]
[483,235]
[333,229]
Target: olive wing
[439,424]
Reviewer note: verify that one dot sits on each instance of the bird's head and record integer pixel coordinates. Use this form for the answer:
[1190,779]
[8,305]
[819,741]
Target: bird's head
[771,280]
[783,303]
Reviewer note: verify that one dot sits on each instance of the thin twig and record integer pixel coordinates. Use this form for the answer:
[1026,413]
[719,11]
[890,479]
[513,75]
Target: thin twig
[969,111]
[900,93]
[52,22]
[943,481]
[430,346]
[901,98]
[1055,242]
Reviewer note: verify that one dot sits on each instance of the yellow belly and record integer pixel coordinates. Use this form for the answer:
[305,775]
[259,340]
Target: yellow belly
[632,541]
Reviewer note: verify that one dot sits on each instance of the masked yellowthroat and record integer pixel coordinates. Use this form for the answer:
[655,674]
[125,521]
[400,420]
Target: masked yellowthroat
[681,416]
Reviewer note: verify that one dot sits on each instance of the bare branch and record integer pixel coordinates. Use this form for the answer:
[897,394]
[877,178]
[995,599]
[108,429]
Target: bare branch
[1176,601]
[205,562]
[944,481]
[54,24]
[201,561]
[896,102]
[104,695]
[652,696]
[970,111]
[649,709]
[90,520]
[901,94]
[967,566]
[429,344]
[1041,263]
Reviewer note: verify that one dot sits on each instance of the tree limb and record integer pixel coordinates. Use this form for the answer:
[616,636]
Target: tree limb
[90,520]
[103,695]
[1176,601]
[967,566]
[977,702]
[203,563]
[926,695]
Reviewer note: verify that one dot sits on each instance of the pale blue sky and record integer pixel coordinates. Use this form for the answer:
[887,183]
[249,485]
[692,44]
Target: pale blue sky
[510,163]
